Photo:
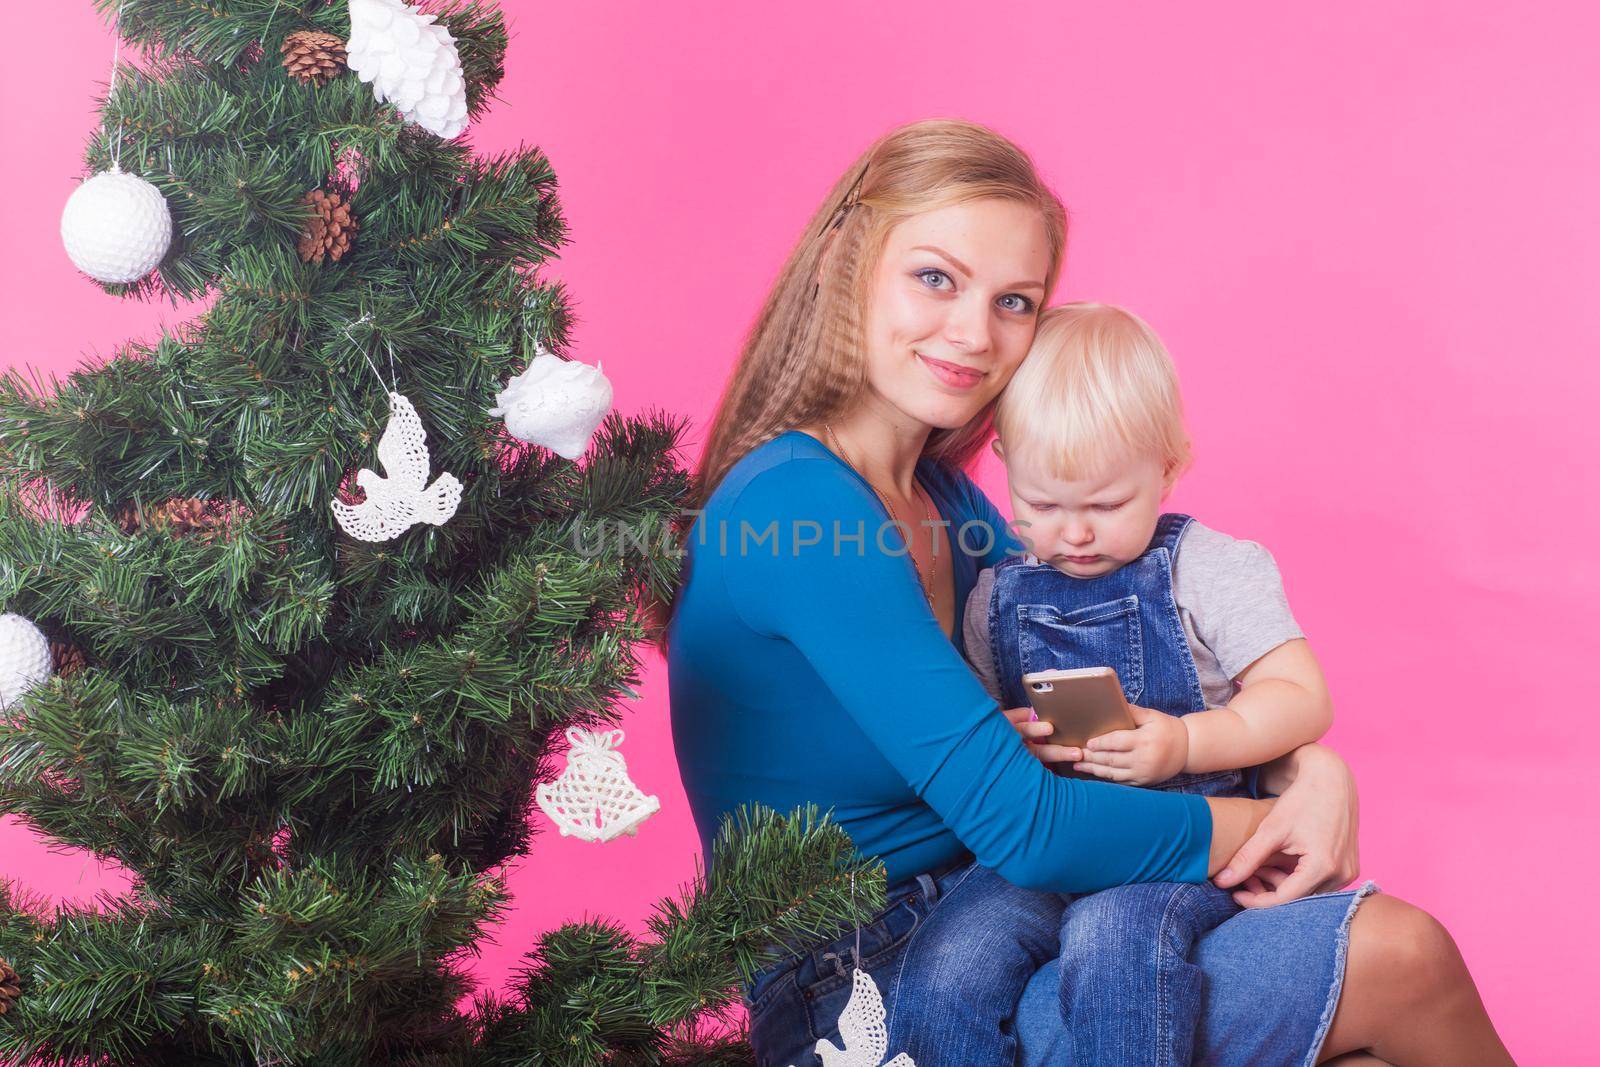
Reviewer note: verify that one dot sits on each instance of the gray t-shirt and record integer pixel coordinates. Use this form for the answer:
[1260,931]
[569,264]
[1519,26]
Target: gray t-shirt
[1230,598]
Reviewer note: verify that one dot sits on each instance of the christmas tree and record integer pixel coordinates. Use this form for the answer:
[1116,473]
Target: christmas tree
[305,704]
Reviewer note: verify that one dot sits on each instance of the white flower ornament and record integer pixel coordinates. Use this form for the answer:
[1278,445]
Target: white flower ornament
[411,62]
[557,403]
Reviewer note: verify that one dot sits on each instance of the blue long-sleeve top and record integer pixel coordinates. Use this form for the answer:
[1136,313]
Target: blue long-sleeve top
[809,669]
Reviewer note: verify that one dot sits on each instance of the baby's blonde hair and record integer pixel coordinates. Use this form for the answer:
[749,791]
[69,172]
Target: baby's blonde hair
[1096,388]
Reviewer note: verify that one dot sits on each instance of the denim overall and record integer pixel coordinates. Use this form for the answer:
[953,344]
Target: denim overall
[1126,620]
[955,948]
[1129,992]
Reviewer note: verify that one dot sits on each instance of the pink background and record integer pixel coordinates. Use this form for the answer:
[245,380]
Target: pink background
[1369,235]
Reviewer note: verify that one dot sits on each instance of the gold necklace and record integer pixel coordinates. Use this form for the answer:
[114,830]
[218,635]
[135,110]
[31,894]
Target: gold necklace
[927,518]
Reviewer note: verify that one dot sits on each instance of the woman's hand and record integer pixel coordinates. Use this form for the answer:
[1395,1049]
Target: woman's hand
[1023,721]
[1308,842]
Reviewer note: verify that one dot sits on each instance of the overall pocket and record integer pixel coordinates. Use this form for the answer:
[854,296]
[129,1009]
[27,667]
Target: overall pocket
[1101,635]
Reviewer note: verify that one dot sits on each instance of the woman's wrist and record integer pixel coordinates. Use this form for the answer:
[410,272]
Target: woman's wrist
[1233,822]
[1277,775]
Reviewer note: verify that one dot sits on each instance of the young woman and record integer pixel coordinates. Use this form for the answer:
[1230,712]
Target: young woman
[813,660]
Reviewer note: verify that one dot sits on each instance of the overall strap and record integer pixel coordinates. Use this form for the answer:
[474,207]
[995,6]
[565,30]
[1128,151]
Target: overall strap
[1169,531]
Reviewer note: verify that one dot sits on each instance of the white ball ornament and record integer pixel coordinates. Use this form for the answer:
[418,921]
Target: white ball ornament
[557,403]
[25,658]
[411,62]
[116,226]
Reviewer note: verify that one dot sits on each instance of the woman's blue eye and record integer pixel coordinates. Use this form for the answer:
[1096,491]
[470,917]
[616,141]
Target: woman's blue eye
[932,276]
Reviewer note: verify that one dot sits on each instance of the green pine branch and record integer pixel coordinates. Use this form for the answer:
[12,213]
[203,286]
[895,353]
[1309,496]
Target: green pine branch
[591,993]
[313,754]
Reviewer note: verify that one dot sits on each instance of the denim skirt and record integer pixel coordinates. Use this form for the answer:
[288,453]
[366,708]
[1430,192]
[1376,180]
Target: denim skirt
[1272,977]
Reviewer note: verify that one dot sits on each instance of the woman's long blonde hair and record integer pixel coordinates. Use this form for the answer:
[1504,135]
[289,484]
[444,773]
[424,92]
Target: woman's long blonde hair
[803,360]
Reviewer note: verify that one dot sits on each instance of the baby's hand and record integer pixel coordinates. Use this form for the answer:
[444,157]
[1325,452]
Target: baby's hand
[1154,751]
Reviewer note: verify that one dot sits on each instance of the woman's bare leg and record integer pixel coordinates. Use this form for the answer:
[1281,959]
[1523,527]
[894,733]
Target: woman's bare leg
[1407,996]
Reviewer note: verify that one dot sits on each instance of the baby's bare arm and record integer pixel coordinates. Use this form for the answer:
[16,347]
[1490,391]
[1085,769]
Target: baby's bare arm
[1283,703]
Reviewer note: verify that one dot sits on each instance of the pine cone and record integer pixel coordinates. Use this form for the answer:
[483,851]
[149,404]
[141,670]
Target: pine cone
[185,516]
[180,516]
[68,658]
[313,57]
[330,228]
[10,987]
[130,518]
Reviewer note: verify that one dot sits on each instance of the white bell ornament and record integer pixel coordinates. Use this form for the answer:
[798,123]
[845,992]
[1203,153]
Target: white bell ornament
[594,799]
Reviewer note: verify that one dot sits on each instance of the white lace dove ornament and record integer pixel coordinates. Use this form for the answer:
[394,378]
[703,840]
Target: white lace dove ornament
[594,799]
[402,499]
[25,659]
[556,403]
[861,1025]
[410,62]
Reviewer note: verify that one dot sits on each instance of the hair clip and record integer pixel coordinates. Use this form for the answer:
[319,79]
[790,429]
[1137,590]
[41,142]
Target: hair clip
[851,199]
